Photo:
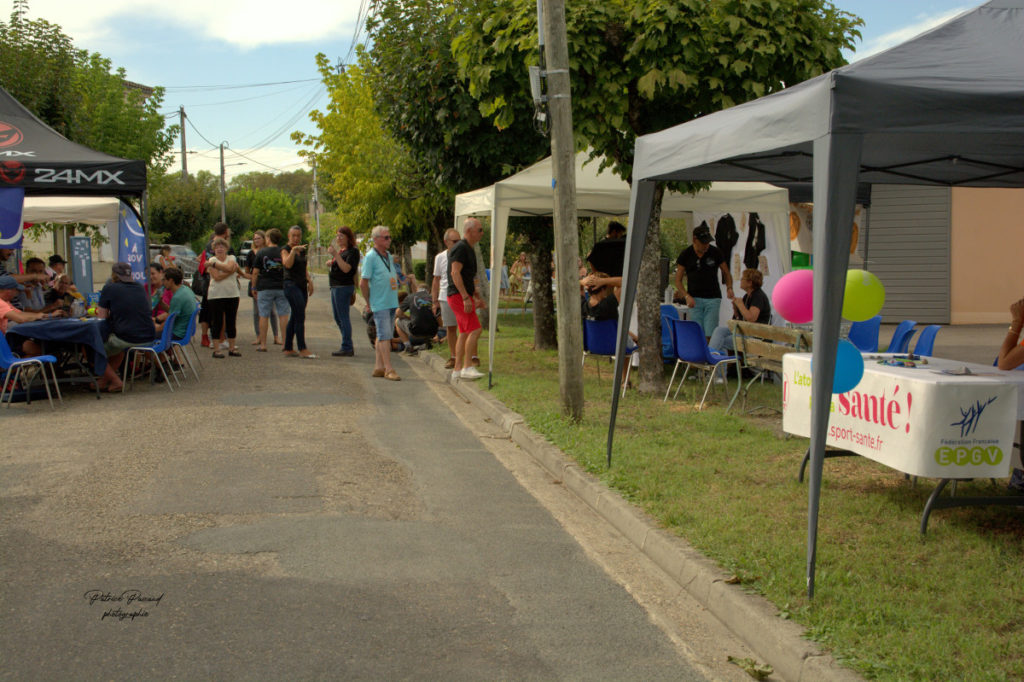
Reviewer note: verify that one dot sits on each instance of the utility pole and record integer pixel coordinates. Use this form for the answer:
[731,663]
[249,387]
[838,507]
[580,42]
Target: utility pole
[184,162]
[316,208]
[223,202]
[563,156]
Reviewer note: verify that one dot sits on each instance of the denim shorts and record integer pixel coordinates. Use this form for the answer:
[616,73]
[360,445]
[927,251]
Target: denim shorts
[385,321]
[272,299]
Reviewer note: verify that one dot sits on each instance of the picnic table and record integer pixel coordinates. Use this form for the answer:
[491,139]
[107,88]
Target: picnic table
[64,338]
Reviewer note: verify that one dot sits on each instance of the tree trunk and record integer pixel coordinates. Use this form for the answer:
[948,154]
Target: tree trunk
[648,304]
[544,332]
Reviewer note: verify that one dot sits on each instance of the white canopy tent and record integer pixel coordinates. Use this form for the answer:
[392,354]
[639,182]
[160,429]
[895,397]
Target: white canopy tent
[70,209]
[945,108]
[91,210]
[531,193]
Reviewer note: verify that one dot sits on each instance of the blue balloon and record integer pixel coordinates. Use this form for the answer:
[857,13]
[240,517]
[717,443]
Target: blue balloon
[849,367]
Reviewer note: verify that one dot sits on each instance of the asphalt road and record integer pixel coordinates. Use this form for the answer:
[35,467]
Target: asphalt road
[298,519]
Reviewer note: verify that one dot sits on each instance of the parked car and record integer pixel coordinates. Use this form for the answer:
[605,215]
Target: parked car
[243,253]
[184,257]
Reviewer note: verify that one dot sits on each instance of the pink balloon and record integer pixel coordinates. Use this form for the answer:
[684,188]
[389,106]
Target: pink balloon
[793,296]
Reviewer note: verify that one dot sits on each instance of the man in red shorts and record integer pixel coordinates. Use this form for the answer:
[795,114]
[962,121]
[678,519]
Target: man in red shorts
[464,299]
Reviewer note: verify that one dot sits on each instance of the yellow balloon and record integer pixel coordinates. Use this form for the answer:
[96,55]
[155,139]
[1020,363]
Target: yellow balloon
[864,295]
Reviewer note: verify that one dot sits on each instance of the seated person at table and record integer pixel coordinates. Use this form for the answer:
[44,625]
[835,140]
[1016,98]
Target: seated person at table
[602,301]
[62,295]
[125,306]
[9,290]
[33,298]
[159,295]
[56,267]
[753,307]
[1011,356]
[183,302]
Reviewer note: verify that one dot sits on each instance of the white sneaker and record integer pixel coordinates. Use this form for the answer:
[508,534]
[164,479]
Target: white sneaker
[470,373]
[224,345]
[719,380]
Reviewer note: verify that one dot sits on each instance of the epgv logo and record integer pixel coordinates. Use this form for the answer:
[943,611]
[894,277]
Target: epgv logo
[971,416]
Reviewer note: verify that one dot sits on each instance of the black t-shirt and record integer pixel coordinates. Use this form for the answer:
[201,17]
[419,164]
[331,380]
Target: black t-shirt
[757,299]
[268,260]
[422,321]
[463,253]
[338,278]
[131,318]
[296,274]
[605,309]
[702,273]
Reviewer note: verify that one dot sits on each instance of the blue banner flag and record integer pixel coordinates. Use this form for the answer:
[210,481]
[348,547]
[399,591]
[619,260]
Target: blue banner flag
[12,200]
[131,242]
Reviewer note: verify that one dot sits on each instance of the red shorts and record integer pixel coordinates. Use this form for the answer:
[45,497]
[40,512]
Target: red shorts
[468,322]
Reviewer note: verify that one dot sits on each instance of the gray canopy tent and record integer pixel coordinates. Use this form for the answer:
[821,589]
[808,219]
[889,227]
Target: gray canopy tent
[946,108]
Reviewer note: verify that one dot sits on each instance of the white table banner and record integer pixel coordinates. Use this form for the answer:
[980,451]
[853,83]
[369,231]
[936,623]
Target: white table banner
[919,420]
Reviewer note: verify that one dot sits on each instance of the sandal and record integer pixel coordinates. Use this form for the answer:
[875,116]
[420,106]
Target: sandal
[234,353]
[261,349]
[290,353]
[392,376]
[311,356]
[217,354]
[378,373]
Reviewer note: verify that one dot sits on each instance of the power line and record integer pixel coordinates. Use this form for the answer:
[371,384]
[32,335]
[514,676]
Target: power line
[243,99]
[314,91]
[303,110]
[193,127]
[235,87]
[238,153]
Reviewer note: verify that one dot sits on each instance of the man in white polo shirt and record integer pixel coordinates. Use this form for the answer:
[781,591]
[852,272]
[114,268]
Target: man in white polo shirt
[439,294]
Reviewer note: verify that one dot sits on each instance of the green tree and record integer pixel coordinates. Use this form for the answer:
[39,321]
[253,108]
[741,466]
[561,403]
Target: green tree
[271,208]
[369,175]
[427,107]
[297,184]
[184,210]
[641,67]
[76,93]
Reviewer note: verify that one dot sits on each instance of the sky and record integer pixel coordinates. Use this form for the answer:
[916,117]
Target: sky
[245,70]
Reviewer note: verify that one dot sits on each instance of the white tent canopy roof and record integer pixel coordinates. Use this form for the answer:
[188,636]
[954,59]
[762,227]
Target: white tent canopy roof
[70,209]
[531,193]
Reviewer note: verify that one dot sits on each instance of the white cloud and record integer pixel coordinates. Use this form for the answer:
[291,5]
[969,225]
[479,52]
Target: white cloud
[242,23]
[893,38]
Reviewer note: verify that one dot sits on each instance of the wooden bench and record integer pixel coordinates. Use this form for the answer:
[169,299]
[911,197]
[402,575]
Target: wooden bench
[760,348]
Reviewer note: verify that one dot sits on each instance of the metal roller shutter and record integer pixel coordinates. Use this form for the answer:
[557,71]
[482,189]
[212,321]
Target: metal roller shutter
[907,246]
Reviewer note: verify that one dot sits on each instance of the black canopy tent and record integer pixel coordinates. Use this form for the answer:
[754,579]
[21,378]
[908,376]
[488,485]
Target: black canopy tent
[35,156]
[946,108]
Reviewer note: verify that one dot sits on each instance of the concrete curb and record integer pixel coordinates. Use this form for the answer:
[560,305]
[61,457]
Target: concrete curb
[752,618]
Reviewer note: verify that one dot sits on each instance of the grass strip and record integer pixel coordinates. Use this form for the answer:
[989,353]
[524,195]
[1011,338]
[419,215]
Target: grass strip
[889,604]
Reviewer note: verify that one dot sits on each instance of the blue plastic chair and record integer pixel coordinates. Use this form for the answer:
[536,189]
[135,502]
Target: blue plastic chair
[926,340]
[691,348]
[864,334]
[599,337]
[900,342]
[9,362]
[157,348]
[668,313]
[185,343]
